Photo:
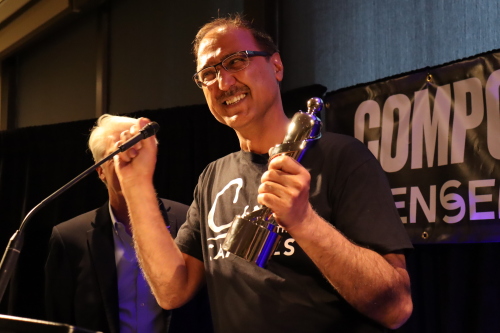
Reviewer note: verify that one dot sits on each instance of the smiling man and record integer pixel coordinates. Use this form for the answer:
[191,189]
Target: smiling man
[249,98]
[340,266]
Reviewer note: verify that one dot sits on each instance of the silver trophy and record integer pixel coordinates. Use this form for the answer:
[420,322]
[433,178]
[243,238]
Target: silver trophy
[254,236]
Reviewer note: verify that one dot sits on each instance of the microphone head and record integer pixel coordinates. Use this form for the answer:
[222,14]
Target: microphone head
[150,129]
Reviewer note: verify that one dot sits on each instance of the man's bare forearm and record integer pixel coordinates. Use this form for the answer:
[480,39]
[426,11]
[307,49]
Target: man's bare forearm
[173,276]
[377,286]
[172,280]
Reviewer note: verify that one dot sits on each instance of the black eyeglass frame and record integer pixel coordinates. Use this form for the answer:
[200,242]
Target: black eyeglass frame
[249,54]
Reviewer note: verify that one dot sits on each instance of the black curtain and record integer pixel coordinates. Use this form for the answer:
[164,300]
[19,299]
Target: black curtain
[455,288]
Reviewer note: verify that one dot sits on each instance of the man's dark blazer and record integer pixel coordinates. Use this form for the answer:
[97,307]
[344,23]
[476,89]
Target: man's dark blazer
[81,280]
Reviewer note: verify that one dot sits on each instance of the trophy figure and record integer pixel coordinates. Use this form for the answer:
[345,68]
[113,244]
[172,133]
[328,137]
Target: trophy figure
[253,236]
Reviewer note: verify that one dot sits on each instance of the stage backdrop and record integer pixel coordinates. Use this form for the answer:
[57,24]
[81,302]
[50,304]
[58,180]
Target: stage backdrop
[436,133]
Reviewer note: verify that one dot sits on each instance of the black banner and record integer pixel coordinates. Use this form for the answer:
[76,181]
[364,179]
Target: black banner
[436,133]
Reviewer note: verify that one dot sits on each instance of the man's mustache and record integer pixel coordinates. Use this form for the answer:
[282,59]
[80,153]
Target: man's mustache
[234,91]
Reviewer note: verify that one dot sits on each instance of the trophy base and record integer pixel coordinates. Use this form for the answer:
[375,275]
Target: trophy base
[251,241]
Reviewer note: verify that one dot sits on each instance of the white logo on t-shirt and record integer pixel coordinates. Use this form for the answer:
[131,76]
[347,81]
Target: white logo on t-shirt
[221,230]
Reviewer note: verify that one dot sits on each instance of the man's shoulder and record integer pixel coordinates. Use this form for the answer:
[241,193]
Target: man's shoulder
[221,163]
[226,158]
[78,223]
[174,206]
[343,145]
[339,139]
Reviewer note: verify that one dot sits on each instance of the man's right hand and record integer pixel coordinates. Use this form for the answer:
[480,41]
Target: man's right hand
[137,164]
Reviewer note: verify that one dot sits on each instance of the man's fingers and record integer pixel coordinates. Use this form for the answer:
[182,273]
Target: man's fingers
[283,170]
[273,188]
[126,135]
[143,122]
[286,164]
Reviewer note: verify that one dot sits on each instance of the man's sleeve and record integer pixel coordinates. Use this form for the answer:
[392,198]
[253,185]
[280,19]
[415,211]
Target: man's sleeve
[58,282]
[189,238]
[367,214]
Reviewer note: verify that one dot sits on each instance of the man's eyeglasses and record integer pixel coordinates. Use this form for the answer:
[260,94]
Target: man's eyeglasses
[232,63]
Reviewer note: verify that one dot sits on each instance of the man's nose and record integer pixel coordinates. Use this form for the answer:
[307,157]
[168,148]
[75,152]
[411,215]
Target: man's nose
[225,79]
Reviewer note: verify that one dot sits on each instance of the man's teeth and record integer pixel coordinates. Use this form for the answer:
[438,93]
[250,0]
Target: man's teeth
[235,99]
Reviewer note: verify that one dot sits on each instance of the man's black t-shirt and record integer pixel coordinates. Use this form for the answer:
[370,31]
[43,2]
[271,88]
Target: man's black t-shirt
[348,189]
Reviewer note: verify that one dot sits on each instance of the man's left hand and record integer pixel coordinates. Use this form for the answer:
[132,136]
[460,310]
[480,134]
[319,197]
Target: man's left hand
[285,190]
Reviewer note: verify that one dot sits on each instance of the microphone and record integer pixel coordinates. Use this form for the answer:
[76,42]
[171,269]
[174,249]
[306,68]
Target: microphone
[11,254]
[149,130]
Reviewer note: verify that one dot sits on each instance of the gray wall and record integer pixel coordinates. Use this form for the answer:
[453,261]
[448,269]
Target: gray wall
[345,42]
[151,61]
[56,77]
[334,43]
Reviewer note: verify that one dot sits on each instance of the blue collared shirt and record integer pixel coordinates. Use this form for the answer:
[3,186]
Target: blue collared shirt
[138,309]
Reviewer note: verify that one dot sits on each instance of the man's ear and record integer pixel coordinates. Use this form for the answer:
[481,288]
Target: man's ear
[278,66]
[100,172]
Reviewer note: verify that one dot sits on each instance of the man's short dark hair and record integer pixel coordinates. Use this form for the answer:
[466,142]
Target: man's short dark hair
[263,40]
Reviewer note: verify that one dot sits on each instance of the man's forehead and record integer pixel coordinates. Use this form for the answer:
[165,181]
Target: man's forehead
[223,41]
[112,138]
[208,50]
[113,134]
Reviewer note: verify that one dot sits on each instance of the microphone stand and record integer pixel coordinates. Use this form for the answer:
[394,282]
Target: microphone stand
[11,254]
